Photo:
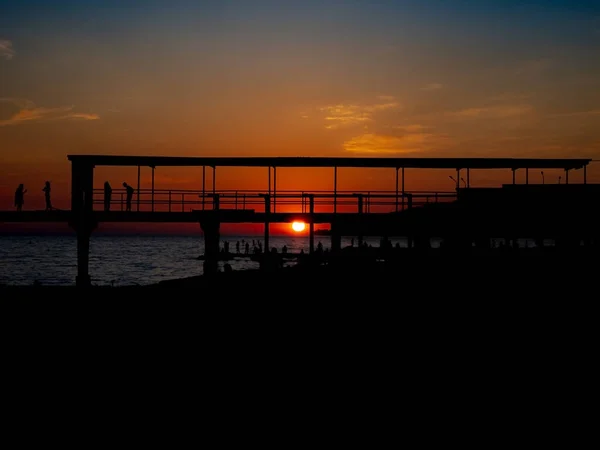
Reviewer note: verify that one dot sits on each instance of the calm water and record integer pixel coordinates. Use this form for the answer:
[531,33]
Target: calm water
[127,260]
[123,260]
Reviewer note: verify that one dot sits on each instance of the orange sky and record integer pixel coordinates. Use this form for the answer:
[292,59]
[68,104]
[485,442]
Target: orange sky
[398,79]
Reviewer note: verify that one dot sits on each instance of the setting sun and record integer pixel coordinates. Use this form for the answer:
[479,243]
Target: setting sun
[298,226]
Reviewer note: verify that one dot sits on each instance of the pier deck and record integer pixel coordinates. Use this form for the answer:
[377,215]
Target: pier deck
[463,215]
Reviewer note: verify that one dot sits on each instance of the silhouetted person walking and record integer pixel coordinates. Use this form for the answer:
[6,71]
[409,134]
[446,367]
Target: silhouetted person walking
[107,196]
[129,190]
[19,197]
[47,196]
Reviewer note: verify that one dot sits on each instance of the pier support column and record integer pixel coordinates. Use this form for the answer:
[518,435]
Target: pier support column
[212,237]
[82,218]
[83,278]
[336,238]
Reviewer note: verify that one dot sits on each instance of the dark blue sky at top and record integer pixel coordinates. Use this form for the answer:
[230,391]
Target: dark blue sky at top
[457,16]
[484,33]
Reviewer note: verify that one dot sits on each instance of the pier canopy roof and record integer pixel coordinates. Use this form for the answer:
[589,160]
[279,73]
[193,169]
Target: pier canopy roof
[356,162]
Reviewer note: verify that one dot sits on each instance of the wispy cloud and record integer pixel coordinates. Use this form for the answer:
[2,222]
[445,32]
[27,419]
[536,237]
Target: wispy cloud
[347,115]
[432,87]
[414,128]
[20,111]
[415,140]
[510,97]
[591,113]
[6,49]
[492,112]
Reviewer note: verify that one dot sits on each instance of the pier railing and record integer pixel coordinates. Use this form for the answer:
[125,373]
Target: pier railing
[182,200]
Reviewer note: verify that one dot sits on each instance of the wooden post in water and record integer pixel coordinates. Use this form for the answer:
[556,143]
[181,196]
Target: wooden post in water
[210,227]
[82,218]
[336,237]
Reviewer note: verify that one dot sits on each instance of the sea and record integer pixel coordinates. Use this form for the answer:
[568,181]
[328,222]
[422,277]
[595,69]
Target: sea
[120,260]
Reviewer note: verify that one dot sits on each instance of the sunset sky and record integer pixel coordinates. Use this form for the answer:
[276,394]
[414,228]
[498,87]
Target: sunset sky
[450,78]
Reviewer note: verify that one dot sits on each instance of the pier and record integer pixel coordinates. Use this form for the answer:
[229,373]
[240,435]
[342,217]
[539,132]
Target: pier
[463,216]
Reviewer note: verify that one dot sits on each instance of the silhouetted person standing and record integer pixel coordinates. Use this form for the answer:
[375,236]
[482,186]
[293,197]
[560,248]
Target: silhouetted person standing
[47,196]
[129,190]
[107,196]
[19,197]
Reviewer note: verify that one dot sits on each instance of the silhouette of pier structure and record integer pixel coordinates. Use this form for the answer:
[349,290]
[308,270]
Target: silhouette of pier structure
[462,216]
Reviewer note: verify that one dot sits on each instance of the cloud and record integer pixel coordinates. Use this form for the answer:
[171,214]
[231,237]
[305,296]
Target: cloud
[411,128]
[510,97]
[432,87]
[492,112]
[6,49]
[20,111]
[382,143]
[591,113]
[347,115]
[410,142]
